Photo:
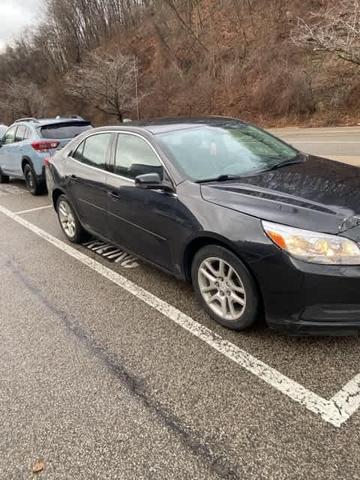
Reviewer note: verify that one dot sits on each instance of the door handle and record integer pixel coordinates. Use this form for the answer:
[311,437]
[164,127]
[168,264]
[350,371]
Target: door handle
[75,178]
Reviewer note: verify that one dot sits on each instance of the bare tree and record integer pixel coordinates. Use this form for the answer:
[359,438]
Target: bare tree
[183,12]
[20,98]
[74,27]
[335,30]
[107,81]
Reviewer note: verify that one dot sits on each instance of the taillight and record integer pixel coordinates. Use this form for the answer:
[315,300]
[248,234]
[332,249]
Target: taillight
[44,145]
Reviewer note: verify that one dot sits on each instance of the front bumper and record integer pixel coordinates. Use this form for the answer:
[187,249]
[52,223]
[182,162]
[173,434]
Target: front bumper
[308,299]
[340,326]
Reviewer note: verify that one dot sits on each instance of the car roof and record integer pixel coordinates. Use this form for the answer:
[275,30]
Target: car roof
[162,125]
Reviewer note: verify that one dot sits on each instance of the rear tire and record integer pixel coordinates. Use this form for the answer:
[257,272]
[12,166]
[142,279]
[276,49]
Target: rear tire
[68,220]
[34,186]
[225,287]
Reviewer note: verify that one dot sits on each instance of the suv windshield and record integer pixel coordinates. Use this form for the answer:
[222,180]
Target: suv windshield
[205,153]
[64,130]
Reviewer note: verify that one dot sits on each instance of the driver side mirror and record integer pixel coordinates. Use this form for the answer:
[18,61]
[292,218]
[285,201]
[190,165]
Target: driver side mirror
[151,181]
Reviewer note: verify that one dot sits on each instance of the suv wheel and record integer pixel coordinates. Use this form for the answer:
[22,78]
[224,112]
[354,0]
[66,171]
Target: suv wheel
[69,222]
[225,287]
[32,183]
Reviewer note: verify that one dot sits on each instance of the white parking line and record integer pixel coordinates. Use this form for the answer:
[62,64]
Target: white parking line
[335,411]
[324,142]
[30,210]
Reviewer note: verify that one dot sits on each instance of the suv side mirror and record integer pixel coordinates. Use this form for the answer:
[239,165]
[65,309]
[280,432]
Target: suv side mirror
[151,181]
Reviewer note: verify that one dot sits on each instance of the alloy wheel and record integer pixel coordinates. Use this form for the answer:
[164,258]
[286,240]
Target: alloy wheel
[67,219]
[221,288]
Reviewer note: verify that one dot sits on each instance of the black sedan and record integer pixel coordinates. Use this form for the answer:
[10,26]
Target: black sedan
[258,227]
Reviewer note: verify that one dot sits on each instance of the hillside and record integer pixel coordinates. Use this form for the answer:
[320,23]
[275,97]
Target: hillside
[195,57]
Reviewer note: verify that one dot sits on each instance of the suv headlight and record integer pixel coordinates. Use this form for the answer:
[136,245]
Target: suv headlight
[313,247]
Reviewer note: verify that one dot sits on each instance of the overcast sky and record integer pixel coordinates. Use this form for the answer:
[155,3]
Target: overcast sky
[15,15]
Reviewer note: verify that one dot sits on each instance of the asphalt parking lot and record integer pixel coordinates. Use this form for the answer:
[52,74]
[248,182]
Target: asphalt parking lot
[109,369]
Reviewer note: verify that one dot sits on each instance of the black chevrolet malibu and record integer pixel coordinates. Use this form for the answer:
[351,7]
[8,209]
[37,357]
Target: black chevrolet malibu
[258,227]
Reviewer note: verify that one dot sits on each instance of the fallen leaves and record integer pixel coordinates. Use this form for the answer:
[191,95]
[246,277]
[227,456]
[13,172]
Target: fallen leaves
[38,466]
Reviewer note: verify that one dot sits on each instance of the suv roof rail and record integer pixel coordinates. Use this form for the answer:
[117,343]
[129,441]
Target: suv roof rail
[27,119]
[79,117]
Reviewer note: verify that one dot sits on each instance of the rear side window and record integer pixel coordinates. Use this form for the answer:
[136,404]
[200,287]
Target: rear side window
[9,136]
[93,150]
[28,133]
[134,157]
[64,130]
[20,133]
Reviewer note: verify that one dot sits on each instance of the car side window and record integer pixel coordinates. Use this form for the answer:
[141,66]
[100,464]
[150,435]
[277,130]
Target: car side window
[27,133]
[134,157]
[20,133]
[78,154]
[9,136]
[93,150]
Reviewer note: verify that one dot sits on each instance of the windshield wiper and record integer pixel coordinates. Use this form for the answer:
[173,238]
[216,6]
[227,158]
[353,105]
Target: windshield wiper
[220,178]
[285,163]
[225,177]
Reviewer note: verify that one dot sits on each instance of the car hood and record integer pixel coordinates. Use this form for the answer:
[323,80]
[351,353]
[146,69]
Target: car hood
[316,194]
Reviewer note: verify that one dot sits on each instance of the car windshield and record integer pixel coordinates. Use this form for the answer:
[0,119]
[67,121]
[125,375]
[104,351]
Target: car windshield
[64,130]
[204,153]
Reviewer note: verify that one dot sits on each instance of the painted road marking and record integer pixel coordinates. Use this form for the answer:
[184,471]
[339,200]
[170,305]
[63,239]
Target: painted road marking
[30,210]
[324,142]
[335,411]
[112,253]
[316,131]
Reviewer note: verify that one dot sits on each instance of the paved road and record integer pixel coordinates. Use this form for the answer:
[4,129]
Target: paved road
[341,143]
[111,372]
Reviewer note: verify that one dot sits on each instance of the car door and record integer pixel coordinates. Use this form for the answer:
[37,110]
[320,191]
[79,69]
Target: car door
[140,220]
[86,181]
[8,150]
[15,159]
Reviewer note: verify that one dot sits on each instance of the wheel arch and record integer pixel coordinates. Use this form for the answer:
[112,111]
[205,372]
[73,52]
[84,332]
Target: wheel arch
[26,160]
[210,239]
[56,194]
[199,242]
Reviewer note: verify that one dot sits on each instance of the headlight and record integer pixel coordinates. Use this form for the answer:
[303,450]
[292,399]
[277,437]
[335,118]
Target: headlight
[313,247]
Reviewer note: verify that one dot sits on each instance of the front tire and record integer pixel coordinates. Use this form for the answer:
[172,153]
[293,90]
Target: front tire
[34,186]
[68,220]
[225,287]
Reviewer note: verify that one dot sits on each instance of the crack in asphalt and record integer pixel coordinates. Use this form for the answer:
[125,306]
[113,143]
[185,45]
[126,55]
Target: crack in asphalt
[208,450]
[338,407]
